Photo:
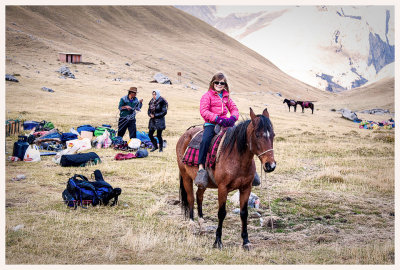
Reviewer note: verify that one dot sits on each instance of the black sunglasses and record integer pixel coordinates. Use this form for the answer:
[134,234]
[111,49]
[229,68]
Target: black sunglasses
[220,83]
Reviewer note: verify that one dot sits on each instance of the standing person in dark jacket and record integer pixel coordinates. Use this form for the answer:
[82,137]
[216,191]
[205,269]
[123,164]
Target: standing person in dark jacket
[128,105]
[158,107]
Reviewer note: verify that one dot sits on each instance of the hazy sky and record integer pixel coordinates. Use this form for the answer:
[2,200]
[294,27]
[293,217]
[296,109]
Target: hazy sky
[226,10]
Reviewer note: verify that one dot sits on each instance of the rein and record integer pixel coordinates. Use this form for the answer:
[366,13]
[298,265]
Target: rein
[269,200]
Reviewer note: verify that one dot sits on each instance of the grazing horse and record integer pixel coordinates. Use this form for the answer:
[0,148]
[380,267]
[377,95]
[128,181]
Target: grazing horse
[235,169]
[291,103]
[306,104]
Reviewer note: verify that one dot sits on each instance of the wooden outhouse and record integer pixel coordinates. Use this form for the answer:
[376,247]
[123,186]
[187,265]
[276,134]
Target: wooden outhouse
[70,57]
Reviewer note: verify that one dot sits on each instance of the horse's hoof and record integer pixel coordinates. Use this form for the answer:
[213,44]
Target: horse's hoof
[192,226]
[201,222]
[247,247]
[218,244]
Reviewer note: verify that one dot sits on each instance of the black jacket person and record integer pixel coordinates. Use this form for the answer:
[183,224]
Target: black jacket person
[158,107]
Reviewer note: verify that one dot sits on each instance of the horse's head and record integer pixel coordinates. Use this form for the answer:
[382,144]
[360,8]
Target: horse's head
[285,100]
[261,140]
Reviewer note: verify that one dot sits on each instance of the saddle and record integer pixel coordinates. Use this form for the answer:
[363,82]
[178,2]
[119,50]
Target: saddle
[292,102]
[191,156]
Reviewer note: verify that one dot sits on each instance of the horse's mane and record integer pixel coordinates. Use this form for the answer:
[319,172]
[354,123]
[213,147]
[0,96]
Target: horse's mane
[238,134]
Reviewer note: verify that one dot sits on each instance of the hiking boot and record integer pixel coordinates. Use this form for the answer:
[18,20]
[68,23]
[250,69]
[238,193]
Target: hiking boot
[256,180]
[201,179]
[160,150]
[153,149]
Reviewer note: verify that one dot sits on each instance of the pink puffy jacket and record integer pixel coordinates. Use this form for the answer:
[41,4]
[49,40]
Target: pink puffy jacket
[211,106]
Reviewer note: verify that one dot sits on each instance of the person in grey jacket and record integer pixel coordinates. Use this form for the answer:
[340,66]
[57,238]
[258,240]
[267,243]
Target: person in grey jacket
[158,107]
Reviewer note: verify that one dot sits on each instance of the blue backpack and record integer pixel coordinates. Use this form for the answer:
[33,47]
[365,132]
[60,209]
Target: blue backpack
[83,192]
[85,128]
[68,136]
[143,136]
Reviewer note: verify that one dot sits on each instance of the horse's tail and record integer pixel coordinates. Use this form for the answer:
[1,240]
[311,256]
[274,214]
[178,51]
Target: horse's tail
[183,197]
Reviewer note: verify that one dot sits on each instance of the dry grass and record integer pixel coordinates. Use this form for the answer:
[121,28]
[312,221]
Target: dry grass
[333,188]
[333,177]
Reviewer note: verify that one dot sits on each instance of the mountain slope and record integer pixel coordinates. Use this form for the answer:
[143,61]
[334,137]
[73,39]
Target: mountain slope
[149,38]
[376,95]
[330,47]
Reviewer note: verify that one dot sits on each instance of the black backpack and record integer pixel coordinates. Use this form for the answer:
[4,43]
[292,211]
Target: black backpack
[83,192]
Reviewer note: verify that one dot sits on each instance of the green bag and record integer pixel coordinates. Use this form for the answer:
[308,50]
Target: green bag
[100,130]
[48,126]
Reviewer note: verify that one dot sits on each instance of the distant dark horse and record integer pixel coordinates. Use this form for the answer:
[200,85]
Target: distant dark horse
[291,103]
[306,104]
[235,169]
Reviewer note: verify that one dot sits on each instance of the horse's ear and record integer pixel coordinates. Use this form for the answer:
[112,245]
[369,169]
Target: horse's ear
[253,117]
[252,114]
[266,113]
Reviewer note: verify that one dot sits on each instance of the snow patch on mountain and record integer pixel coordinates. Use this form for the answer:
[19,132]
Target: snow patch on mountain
[330,47]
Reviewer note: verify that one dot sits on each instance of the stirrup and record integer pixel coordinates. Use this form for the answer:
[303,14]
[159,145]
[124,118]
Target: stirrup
[201,179]
[256,180]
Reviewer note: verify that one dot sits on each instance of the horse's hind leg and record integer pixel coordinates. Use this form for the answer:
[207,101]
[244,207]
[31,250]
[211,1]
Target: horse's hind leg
[199,199]
[222,195]
[244,199]
[187,197]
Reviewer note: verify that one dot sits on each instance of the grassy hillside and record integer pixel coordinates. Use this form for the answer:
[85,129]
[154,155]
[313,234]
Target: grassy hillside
[333,188]
[151,39]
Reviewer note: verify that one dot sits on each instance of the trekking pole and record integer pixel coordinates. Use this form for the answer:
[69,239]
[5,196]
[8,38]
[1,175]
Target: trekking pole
[127,118]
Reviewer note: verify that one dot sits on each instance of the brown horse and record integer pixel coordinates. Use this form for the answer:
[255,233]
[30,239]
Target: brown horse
[290,103]
[306,104]
[235,169]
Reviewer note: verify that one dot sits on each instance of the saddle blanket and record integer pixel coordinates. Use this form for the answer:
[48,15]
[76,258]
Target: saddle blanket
[191,156]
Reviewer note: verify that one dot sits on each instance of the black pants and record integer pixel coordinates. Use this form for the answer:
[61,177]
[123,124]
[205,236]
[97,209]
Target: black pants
[124,124]
[205,143]
[159,137]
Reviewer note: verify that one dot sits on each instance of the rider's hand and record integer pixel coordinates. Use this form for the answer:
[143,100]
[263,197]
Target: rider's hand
[222,122]
[231,121]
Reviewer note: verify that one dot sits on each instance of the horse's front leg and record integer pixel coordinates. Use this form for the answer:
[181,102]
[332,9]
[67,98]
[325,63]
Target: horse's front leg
[199,199]
[222,195]
[244,199]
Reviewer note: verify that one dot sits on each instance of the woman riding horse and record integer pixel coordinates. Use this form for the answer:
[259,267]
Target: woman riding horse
[234,169]
[215,104]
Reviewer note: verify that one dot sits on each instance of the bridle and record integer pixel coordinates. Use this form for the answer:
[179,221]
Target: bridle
[259,155]
[265,152]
